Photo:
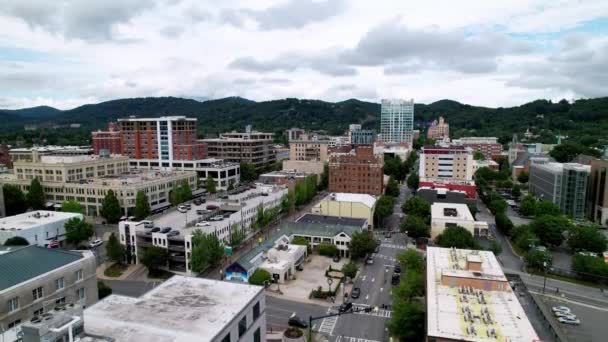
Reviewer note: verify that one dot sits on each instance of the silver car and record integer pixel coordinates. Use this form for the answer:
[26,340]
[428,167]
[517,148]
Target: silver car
[566,320]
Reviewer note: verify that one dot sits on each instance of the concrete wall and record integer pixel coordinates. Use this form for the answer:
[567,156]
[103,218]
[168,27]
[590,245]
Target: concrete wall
[27,305]
[252,325]
[41,234]
[304,166]
[344,209]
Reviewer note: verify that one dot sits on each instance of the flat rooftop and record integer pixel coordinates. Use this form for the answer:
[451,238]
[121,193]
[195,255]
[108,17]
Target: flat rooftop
[134,177]
[77,159]
[333,220]
[451,211]
[34,219]
[446,305]
[367,200]
[162,118]
[559,167]
[181,309]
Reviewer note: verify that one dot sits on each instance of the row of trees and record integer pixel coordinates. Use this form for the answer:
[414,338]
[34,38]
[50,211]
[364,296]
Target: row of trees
[16,202]
[417,222]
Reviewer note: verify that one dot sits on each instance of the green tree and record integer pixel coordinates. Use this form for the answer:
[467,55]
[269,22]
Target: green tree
[350,269]
[478,155]
[590,268]
[142,206]
[301,241]
[503,223]
[498,205]
[77,230]
[550,229]
[210,185]
[588,239]
[528,206]
[415,227]
[412,286]
[327,249]
[103,290]
[72,206]
[260,277]
[35,195]
[207,251]
[473,209]
[547,208]
[516,191]
[324,183]
[361,244]
[114,250]
[14,200]
[567,151]
[288,201]
[537,259]
[230,185]
[237,236]
[457,237]
[155,258]
[16,241]
[407,320]
[185,193]
[524,237]
[413,181]
[417,206]
[110,208]
[523,177]
[411,260]
[496,248]
[392,188]
[248,172]
[384,208]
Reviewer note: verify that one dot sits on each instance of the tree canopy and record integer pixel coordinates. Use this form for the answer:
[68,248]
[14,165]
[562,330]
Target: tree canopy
[260,277]
[417,206]
[77,230]
[155,258]
[16,241]
[457,237]
[114,250]
[415,227]
[110,208]
[35,195]
[207,251]
[72,206]
[411,260]
[550,229]
[384,208]
[210,185]
[142,206]
[392,187]
[14,200]
[588,239]
[362,243]
[248,172]
[528,206]
[413,181]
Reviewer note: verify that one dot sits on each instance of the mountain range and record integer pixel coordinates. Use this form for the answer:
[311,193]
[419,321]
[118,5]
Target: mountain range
[584,118]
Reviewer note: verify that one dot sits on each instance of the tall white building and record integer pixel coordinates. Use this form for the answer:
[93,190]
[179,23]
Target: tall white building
[397,121]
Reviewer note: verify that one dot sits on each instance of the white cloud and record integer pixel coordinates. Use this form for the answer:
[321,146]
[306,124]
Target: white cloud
[332,50]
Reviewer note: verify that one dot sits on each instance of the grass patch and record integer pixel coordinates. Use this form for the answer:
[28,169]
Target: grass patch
[160,274]
[114,271]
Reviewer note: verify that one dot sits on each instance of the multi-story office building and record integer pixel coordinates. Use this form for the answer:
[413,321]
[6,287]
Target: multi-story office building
[309,149]
[397,121]
[108,141]
[597,198]
[162,140]
[362,137]
[219,217]
[564,184]
[35,280]
[446,163]
[182,309]
[470,299]
[87,179]
[255,148]
[359,171]
[489,146]
[33,153]
[40,227]
[438,129]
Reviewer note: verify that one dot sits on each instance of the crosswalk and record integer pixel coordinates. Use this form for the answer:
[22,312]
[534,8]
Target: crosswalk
[352,339]
[390,245]
[382,256]
[328,324]
[375,312]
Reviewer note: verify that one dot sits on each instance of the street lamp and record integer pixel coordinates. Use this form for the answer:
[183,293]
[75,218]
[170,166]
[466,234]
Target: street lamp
[545,274]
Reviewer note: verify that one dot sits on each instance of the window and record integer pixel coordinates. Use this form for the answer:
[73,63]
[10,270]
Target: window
[37,293]
[226,338]
[59,284]
[39,312]
[78,275]
[242,326]
[13,304]
[256,311]
[14,323]
[257,335]
[80,294]
[60,301]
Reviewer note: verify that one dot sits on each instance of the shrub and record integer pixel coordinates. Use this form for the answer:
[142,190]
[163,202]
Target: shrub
[327,249]
[259,277]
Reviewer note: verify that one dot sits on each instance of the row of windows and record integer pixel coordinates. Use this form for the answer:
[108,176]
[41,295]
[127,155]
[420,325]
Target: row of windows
[38,293]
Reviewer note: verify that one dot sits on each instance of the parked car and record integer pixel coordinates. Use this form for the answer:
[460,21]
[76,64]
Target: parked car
[95,243]
[146,222]
[182,209]
[369,260]
[165,230]
[212,207]
[296,321]
[561,308]
[148,226]
[566,320]
[217,218]
[188,206]
[173,233]
[155,229]
[355,293]
[337,258]
[345,307]
[396,278]
[203,224]
[397,268]
[202,211]
[564,314]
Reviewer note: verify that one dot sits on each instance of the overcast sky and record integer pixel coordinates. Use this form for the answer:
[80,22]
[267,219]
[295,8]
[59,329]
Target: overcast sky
[66,53]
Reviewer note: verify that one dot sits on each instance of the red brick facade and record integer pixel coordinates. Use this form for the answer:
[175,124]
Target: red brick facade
[470,190]
[362,172]
[488,150]
[5,157]
[108,140]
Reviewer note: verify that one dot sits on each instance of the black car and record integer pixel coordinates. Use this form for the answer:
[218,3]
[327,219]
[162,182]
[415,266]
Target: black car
[155,229]
[296,321]
[346,307]
[355,293]
[396,278]
[397,268]
[165,230]
[197,201]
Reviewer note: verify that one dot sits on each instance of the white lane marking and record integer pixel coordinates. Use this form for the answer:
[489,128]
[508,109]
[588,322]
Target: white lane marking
[366,297]
[381,289]
[570,301]
[373,279]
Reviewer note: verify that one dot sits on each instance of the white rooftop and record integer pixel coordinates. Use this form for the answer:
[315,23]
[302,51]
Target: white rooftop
[34,219]
[446,305]
[79,159]
[438,211]
[366,199]
[559,167]
[182,309]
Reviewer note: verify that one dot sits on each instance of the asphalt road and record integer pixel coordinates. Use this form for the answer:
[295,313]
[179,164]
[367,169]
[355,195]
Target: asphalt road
[392,222]
[131,288]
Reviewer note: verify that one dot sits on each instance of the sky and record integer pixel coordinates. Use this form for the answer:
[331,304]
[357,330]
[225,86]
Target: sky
[66,53]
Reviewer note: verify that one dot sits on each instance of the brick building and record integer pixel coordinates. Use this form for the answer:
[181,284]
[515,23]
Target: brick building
[5,157]
[439,129]
[489,146]
[107,140]
[357,172]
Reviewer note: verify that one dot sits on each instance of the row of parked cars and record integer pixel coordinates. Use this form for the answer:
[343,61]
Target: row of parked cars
[149,228]
[565,315]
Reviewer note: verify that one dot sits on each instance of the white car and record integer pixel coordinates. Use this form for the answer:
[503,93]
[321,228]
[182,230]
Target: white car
[182,209]
[95,243]
[564,314]
[203,224]
[566,320]
[561,308]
